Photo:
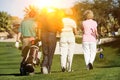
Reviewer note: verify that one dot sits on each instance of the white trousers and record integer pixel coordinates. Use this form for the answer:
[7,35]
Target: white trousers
[89,50]
[67,45]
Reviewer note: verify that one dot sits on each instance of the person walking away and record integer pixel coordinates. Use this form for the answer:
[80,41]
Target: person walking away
[67,41]
[89,39]
[51,24]
[27,31]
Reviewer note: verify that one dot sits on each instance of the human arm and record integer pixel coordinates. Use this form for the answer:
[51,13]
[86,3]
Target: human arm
[96,33]
[18,37]
[75,28]
[75,31]
[97,37]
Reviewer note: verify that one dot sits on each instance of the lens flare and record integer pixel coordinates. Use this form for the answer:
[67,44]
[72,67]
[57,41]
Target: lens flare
[45,3]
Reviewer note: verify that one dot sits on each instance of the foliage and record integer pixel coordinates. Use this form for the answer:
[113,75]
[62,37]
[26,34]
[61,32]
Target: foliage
[5,21]
[6,24]
[106,14]
[16,24]
[116,10]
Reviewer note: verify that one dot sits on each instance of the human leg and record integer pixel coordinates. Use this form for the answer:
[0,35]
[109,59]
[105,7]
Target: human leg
[51,47]
[86,51]
[92,52]
[71,48]
[44,39]
[25,48]
[48,46]
[63,51]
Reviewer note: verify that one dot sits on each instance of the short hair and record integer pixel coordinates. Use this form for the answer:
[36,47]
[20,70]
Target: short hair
[88,14]
[68,12]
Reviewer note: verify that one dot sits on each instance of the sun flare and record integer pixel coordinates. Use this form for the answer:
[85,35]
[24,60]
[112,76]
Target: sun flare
[46,3]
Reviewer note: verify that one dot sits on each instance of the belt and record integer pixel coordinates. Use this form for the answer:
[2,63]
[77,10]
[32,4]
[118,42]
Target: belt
[27,36]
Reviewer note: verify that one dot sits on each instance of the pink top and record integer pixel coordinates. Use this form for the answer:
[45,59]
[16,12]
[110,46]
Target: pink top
[89,26]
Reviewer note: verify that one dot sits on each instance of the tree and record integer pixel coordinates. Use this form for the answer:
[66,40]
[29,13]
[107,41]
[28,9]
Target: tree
[116,10]
[102,9]
[6,23]
[78,10]
[16,23]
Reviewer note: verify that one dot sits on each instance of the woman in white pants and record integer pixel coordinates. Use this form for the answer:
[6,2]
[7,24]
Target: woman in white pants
[90,34]
[67,43]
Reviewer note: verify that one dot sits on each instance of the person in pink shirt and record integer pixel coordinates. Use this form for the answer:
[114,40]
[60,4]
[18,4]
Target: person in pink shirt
[89,39]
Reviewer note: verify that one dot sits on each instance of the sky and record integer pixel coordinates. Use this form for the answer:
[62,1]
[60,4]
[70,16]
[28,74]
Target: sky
[16,7]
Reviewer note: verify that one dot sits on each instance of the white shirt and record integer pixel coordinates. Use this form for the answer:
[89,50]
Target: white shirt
[67,30]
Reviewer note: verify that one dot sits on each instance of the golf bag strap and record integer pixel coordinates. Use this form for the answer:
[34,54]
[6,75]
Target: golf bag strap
[27,55]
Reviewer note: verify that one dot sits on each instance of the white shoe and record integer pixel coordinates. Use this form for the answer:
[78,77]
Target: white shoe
[70,70]
[31,73]
[45,70]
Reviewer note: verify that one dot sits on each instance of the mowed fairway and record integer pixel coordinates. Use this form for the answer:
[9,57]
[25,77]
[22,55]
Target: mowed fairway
[107,68]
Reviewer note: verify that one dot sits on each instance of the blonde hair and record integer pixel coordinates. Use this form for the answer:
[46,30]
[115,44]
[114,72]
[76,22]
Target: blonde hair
[88,14]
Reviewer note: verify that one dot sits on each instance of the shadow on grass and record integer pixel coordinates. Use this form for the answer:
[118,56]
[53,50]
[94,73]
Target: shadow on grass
[108,66]
[17,74]
[14,74]
[111,53]
[114,44]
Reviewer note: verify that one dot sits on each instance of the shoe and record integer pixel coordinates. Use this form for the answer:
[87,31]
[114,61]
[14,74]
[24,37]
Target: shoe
[70,70]
[44,70]
[90,66]
[32,73]
[63,69]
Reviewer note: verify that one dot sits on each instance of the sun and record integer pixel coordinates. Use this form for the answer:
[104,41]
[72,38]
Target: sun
[45,3]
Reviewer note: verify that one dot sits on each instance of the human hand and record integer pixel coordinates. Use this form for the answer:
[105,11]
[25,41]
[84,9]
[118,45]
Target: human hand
[39,43]
[17,44]
[77,36]
[99,41]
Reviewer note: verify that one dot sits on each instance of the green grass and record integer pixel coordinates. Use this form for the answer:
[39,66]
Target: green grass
[107,68]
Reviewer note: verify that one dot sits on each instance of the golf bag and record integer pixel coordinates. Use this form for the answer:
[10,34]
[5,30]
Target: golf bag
[100,50]
[31,59]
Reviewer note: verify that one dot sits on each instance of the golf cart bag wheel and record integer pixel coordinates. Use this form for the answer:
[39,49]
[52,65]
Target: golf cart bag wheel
[22,71]
[29,68]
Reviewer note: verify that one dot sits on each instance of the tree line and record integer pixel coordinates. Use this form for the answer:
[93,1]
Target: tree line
[106,14]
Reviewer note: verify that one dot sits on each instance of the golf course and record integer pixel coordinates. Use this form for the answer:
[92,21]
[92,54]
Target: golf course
[106,68]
